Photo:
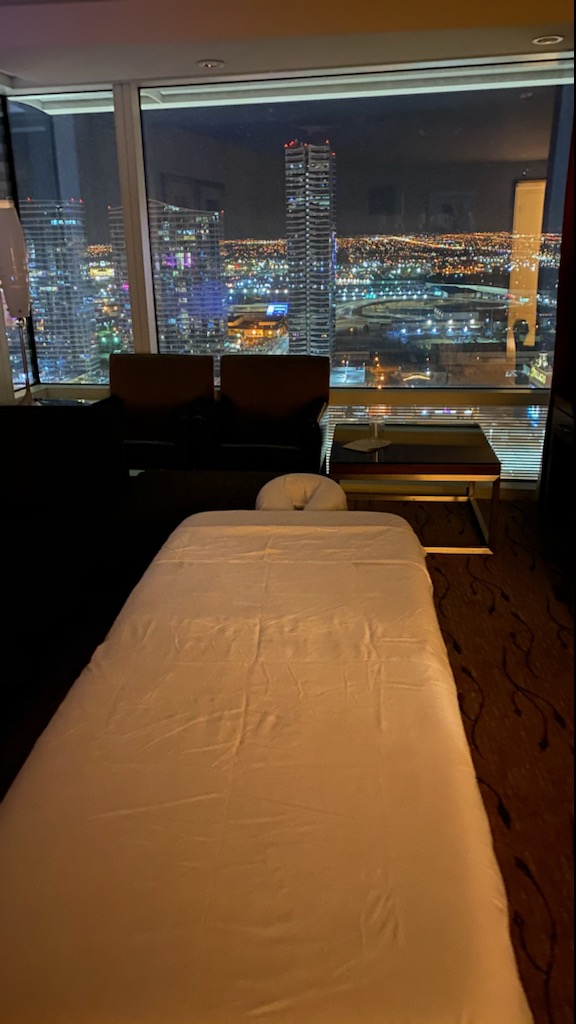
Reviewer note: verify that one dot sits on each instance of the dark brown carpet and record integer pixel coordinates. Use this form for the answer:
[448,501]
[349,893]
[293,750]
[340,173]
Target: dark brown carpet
[507,620]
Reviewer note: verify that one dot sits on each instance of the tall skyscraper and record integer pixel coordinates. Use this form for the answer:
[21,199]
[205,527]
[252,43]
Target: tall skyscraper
[310,177]
[60,290]
[121,291]
[187,273]
[188,281]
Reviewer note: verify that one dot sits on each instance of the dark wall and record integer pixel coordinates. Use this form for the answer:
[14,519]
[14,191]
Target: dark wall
[563,379]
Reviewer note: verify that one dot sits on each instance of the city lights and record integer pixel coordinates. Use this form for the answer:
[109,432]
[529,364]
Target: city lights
[215,295]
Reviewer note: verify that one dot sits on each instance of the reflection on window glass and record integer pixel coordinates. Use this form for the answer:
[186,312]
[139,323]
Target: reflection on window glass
[10,325]
[516,433]
[5,183]
[67,181]
[19,349]
[414,239]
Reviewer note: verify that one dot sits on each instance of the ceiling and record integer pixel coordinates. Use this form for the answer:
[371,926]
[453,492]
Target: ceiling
[71,43]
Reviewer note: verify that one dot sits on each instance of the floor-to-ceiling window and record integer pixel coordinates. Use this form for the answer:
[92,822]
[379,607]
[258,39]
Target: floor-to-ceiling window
[414,238]
[412,233]
[20,351]
[406,224]
[68,196]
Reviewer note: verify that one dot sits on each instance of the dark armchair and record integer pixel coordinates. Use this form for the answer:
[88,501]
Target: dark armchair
[270,412]
[165,404]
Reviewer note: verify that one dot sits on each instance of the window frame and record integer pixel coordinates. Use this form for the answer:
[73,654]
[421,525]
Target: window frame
[131,98]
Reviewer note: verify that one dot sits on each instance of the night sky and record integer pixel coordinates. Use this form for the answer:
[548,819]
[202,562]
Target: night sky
[400,159]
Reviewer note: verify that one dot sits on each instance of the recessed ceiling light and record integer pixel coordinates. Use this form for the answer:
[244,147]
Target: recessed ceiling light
[211,62]
[548,40]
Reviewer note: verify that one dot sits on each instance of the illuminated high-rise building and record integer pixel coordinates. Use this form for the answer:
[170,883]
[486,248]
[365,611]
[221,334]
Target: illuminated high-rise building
[188,281]
[310,178]
[187,272]
[60,290]
[107,308]
[121,292]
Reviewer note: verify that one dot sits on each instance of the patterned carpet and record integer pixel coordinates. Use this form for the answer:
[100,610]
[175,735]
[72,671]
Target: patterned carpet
[508,625]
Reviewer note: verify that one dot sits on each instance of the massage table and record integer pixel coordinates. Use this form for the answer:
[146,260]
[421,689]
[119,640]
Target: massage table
[257,803]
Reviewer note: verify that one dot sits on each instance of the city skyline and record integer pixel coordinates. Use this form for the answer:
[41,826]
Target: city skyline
[420,308]
[424,210]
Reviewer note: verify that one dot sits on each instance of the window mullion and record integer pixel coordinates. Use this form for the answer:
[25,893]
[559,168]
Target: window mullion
[135,215]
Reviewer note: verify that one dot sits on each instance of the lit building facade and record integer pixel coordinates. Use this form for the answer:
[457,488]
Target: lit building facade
[254,333]
[189,289]
[121,290]
[60,290]
[188,280]
[108,312]
[310,180]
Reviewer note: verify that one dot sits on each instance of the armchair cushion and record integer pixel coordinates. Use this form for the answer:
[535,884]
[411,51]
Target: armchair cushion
[248,425]
[270,411]
[244,441]
[166,407]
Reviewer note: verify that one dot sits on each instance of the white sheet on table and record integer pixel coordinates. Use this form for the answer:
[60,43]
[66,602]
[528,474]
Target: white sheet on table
[257,802]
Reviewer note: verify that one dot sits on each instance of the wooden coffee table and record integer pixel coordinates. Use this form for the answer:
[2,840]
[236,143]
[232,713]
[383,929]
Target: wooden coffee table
[456,456]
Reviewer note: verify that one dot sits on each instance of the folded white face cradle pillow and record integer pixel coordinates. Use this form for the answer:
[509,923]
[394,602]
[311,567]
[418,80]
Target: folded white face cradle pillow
[302,491]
